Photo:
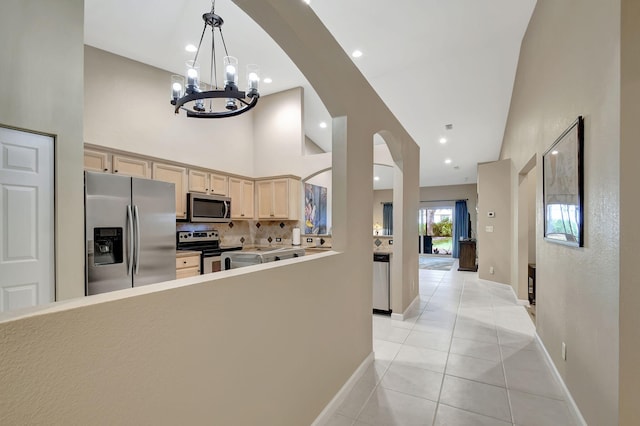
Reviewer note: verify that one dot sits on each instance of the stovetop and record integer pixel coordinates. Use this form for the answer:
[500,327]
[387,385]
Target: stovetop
[208,242]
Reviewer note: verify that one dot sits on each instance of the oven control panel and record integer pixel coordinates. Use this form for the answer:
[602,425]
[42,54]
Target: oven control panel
[198,236]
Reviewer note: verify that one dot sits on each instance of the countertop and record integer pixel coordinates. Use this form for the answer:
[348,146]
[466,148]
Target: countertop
[186,253]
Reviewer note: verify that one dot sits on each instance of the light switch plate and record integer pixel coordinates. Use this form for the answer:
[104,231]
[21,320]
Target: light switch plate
[488,228]
[309,240]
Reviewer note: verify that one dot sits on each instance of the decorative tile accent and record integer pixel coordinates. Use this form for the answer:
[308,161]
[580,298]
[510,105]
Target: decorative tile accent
[282,225]
[322,241]
[270,240]
[377,242]
[242,240]
[230,224]
[258,225]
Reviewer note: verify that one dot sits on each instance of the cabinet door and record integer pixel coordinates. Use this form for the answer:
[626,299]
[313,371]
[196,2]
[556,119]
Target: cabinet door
[129,166]
[247,199]
[235,192]
[96,161]
[219,184]
[280,188]
[178,176]
[265,199]
[198,181]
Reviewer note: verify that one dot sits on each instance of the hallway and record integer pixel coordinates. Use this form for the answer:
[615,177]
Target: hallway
[468,356]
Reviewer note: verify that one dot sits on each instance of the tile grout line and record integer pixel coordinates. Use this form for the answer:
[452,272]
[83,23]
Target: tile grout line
[444,373]
[504,370]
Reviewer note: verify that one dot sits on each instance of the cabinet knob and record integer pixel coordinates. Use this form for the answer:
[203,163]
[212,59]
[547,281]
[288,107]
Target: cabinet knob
[184,261]
[115,171]
[106,170]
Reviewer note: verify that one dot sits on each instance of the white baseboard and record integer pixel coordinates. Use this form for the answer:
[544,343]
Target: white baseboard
[523,302]
[402,316]
[341,396]
[573,407]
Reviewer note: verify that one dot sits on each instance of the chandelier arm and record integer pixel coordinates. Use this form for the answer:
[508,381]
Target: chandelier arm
[223,43]
[200,44]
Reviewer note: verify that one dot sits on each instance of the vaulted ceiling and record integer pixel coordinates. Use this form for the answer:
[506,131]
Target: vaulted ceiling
[433,62]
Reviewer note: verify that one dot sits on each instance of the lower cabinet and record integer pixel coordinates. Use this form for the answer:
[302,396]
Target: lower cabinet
[187,266]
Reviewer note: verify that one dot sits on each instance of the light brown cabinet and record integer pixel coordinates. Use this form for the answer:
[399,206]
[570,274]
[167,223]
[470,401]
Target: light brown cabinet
[187,266]
[208,183]
[241,192]
[97,161]
[278,199]
[130,166]
[178,176]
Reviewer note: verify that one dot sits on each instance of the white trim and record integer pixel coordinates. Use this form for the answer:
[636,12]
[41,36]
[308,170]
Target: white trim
[573,407]
[341,396]
[523,302]
[401,317]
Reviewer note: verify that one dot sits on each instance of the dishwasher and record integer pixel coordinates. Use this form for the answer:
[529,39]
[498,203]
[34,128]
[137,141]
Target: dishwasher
[381,280]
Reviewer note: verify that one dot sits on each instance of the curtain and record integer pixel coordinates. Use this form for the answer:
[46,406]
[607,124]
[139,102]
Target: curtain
[387,218]
[460,226]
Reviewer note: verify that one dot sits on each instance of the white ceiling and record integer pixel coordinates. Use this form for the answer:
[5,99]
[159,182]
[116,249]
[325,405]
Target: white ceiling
[433,62]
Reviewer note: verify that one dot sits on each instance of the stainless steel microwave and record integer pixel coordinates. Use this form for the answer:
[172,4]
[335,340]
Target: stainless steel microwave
[208,208]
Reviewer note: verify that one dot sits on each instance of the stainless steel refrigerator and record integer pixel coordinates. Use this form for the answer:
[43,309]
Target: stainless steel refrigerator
[130,232]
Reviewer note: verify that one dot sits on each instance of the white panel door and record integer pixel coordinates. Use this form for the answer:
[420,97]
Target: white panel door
[26,220]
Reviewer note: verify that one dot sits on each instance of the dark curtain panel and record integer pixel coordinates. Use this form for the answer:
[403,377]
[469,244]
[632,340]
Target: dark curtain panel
[387,219]
[460,226]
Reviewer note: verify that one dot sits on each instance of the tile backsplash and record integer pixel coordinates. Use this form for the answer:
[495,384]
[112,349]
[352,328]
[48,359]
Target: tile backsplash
[247,232]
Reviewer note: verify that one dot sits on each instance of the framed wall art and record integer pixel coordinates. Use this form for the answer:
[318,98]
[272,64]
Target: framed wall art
[563,187]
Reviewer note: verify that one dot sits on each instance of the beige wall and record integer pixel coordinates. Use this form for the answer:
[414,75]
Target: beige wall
[41,91]
[494,195]
[146,124]
[629,206]
[570,65]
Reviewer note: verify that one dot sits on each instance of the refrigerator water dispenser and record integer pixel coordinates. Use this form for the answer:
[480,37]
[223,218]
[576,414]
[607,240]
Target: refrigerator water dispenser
[107,246]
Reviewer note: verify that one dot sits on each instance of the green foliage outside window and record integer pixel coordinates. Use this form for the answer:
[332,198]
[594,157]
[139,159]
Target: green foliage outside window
[442,228]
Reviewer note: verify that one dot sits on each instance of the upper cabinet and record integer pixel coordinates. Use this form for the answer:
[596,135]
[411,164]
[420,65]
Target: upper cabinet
[178,176]
[130,166]
[278,199]
[97,161]
[208,183]
[241,193]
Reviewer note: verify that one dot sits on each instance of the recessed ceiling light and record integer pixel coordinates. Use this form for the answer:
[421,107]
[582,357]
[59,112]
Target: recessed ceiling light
[190,48]
[376,178]
[447,161]
[267,80]
[323,125]
[554,152]
[356,53]
[306,1]
[443,140]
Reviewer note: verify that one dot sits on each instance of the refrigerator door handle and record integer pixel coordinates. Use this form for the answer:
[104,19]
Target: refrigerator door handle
[137,253]
[130,238]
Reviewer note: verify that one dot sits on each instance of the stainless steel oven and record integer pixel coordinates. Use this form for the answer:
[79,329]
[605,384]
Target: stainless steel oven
[211,263]
[208,208]
[208,244]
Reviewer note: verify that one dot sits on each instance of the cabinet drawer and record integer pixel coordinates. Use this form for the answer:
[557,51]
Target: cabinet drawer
[187,262]
[187,272]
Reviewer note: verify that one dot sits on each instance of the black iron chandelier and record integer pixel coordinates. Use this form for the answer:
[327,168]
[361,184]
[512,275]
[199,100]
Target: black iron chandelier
[200,100]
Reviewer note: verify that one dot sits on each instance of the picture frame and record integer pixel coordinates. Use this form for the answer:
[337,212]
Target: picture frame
[563,187]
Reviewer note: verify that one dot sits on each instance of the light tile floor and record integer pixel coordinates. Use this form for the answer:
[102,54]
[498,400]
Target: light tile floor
[466,356]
